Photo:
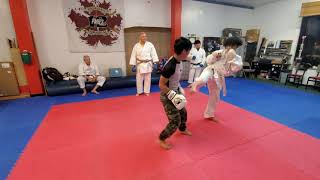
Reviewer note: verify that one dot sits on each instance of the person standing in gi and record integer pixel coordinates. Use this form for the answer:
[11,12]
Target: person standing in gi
[143,57]
[198,58]
[221,64]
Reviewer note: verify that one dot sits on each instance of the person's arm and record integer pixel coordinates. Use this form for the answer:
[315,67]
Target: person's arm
[190,56]
[211,59]
[133,58]
[154,55]
[167,71]
[80,70]
[94,78]
[230,60]
[230,55]
[236,65]
[97,70]
[203,61]
[163,85]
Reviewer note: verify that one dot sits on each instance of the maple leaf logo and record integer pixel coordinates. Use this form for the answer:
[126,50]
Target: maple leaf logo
[96,22]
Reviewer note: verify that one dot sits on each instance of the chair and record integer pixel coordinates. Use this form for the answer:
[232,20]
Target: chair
[315,79]
[246,69]
[297,76]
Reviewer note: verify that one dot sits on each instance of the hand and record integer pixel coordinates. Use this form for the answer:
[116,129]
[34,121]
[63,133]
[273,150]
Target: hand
[92,79]
[88,77]
[134,68]
[178,100]
[219,55]
[155,66]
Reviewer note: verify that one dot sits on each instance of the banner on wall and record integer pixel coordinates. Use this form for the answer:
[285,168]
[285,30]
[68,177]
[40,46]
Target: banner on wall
[94,25]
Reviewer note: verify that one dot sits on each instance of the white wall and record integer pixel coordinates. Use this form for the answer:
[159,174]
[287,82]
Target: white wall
[149,13]
[279,21]
[206,19]
[48,25]
[6,30]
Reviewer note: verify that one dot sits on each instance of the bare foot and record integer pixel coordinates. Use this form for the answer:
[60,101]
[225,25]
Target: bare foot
[213,119]
[84,92]
[147,94]
[193,88]
[95,92]
[186,132]
[138,94]
[164,145]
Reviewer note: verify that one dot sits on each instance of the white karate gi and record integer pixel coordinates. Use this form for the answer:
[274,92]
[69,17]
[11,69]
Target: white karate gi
[195,64]
[143,57]
[214,74]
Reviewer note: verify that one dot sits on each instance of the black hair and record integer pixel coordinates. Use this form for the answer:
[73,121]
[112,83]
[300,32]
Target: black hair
[232,41]
[197,42]
[181,44]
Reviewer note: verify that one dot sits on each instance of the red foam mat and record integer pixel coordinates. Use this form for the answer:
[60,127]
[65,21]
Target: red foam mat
[116,139]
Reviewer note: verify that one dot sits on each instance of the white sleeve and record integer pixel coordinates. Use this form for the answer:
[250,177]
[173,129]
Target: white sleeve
[210,59]
[133,58]
[189,57]
[191,52]
[235,66]
[97,70]
[230,55]
[154,55]
[80,70]
[203,57]
[238,60]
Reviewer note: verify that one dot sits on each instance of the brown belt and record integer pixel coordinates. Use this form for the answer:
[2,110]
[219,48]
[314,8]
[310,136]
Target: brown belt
[145,61]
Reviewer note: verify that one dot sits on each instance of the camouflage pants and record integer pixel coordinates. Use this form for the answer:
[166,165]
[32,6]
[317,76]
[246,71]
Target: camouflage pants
[177,118]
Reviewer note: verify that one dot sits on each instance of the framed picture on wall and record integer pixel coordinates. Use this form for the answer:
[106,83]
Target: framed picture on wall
[271,44]
[286,45]
[211,44]
[192,39]
[228,32]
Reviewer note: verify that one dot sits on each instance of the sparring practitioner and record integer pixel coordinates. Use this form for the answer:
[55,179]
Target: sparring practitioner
[221,63]
[198,58]
[143,57]
[172,94]
[89,72]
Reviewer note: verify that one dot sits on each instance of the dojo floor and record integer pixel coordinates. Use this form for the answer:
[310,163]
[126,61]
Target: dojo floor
[264,132]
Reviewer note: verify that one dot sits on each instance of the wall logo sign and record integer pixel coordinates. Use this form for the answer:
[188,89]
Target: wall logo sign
[94,26]
[96,21]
